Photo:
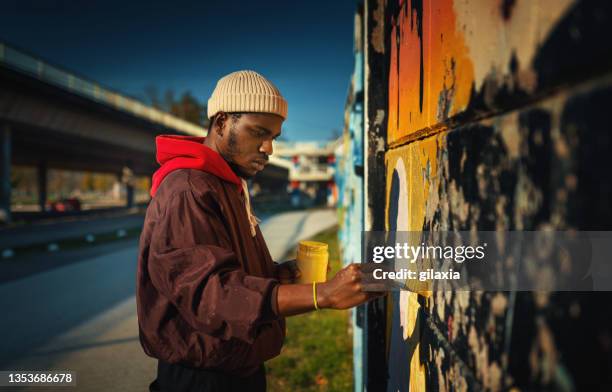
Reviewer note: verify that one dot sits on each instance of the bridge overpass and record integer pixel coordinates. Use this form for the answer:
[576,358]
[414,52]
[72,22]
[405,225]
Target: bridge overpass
[52,118]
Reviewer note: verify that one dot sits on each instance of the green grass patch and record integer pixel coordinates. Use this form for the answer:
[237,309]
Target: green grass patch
[318,350]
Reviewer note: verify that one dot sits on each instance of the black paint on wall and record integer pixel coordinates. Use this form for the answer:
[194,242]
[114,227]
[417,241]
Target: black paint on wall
[578,48]
[561,178]
[375,373]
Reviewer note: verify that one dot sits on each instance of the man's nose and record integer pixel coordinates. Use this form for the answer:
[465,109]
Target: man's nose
[266,147]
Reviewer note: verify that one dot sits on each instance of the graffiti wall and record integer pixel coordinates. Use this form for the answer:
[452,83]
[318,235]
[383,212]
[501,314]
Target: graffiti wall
[487,115]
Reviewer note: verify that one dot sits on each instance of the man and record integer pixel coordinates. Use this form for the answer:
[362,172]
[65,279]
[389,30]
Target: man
[211,305]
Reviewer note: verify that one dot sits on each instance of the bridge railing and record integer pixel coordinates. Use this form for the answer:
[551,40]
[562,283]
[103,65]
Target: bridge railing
[30,65]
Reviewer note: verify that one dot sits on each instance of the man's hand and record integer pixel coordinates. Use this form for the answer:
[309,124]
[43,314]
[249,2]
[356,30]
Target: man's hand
[344,290]
[287,272]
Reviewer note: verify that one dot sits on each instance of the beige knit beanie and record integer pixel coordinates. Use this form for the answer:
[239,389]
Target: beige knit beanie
[246,91]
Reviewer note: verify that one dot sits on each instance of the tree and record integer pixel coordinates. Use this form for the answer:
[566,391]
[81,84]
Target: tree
[152,97]
[168,100]
[186,107]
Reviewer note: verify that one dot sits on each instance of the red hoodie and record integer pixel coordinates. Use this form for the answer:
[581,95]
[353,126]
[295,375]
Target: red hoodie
[189,152]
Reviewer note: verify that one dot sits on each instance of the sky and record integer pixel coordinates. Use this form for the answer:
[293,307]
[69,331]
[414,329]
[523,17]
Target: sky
[304,47]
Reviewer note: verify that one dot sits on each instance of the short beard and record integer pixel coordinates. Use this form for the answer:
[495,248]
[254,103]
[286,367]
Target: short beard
[232,150]
[232,144]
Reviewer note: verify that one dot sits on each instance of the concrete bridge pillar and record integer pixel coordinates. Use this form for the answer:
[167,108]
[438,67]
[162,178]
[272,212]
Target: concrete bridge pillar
[127,178]
[5,173]
[130,195]
[42,184]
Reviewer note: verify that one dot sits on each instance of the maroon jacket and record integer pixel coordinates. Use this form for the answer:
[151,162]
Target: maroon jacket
[206,293]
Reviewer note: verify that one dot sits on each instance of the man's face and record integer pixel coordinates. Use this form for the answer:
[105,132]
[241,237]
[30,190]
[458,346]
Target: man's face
[246,141]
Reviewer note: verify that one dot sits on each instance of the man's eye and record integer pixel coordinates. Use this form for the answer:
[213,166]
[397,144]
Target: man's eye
[259,133]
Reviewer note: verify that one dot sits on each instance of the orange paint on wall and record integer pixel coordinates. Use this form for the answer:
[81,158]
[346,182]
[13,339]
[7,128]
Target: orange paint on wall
[443,63]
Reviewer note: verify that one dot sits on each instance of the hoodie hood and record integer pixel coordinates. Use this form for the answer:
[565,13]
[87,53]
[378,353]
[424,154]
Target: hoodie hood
[189,152]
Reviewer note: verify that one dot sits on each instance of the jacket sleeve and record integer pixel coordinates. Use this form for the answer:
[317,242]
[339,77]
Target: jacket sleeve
[191,263]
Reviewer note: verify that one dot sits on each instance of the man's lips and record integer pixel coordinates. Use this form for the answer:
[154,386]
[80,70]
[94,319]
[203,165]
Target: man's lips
[260,163]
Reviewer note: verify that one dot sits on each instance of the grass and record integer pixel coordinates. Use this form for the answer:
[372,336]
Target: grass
[317,355]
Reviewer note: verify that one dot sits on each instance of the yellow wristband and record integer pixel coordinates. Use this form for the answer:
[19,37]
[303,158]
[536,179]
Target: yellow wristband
[314,295]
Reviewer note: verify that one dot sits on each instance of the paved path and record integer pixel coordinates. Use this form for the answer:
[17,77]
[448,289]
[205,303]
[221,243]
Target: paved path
[82,316]
[282,232]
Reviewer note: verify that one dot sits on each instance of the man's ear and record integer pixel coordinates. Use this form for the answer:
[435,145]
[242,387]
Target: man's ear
[221,119]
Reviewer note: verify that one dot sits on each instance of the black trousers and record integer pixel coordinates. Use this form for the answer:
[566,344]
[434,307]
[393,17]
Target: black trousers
[179,378]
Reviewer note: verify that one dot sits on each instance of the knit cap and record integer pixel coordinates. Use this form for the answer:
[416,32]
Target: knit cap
[246,91]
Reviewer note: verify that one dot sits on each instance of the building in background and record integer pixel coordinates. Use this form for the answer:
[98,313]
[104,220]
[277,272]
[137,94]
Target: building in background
[311,172]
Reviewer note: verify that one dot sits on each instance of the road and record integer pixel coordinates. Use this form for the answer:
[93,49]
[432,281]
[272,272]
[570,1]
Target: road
[81,315]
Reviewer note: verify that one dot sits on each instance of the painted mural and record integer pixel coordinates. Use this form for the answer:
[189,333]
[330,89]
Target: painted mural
[446,56]
[517,171]
[493,117]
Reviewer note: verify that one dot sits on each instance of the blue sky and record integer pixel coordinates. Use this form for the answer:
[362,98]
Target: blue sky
[304,47]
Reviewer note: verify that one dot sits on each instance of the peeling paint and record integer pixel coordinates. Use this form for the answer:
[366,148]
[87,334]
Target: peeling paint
[498,305]
[478,176]
[377,39]
[427,58]
[492,44]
